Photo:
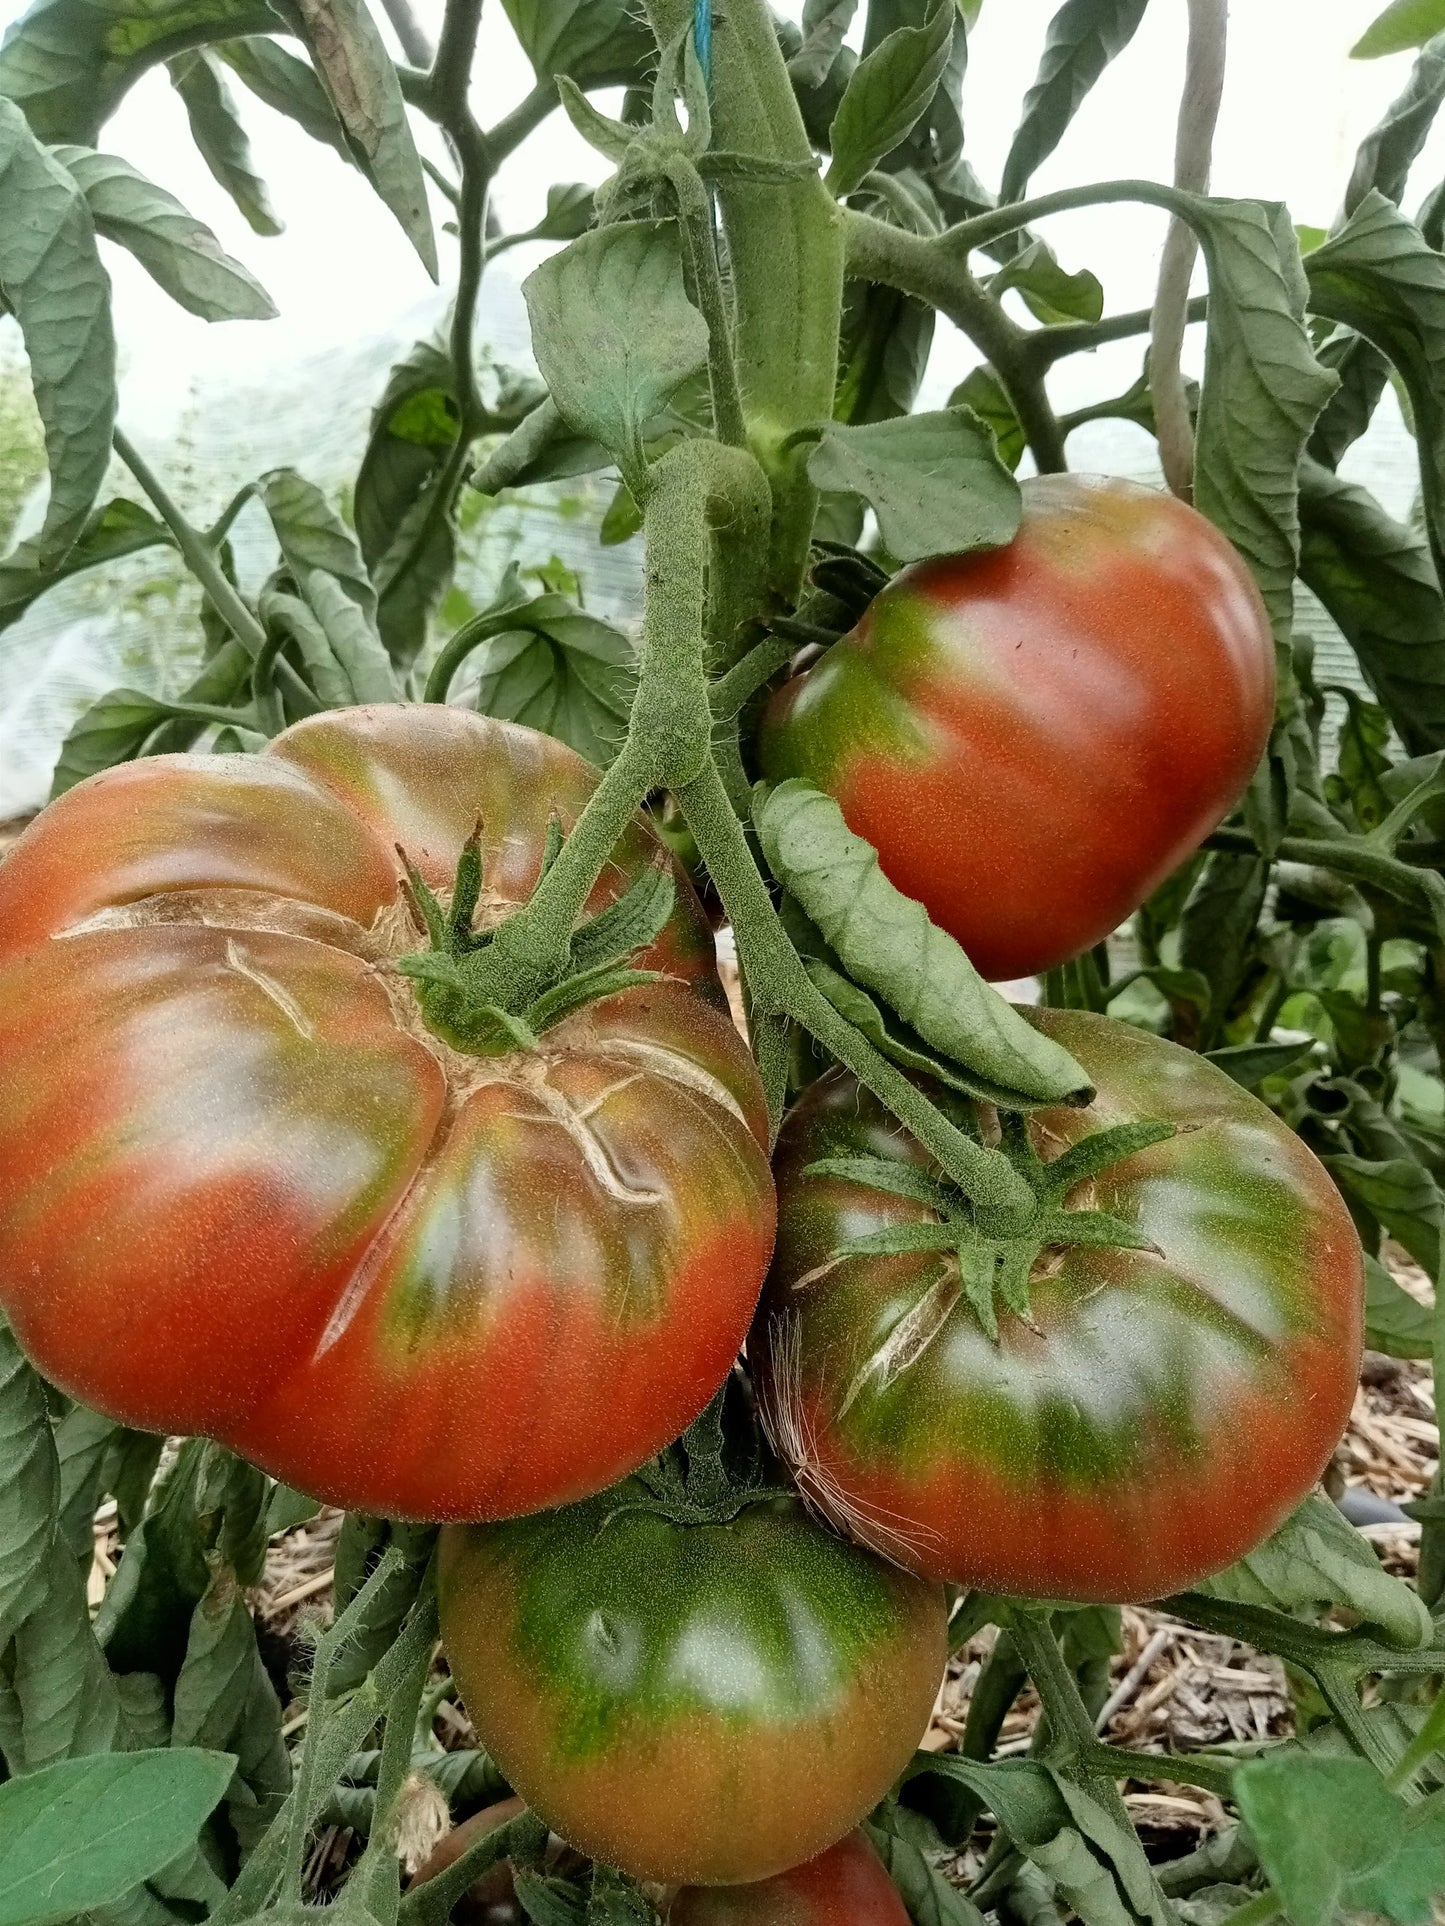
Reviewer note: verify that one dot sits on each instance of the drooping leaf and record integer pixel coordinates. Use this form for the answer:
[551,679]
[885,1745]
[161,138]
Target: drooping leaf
[1364,375]
[119,528]
[886,941]
[358,1551]
[1083,37]
[1335,1840]
[176,250]
[1388,151]
[413,430]
[594,42]
[1262,390]
[361,82]
[1317,1560]
[220,136]
[825,22]
[549,664]
[312,535]
[82,1833]
[1402,1194]
[1050,292]
[890,90]
[69,62]
[83,1440]
[1407,23]
[1395,1322]
[1378,276]
[29,1484]
[935,481]
[61,1698]
[52,279]
[113,729]
[607,374]
[224,1701]
[1375,577]
[908,1844]
[287,85]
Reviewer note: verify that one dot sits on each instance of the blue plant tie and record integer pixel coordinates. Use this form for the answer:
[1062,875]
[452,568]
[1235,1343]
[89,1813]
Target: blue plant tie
[702,36]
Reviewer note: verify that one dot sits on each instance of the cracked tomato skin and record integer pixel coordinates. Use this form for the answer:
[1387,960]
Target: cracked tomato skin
[845,1886]
[244,1192]
[1161,1414]
[700,1704]
[1034,738]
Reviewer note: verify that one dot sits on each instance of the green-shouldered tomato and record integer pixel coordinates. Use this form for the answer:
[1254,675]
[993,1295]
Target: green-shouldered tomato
[1034,737]
[845,1886]
[699,1703]
[1160,1409]
[245,1192]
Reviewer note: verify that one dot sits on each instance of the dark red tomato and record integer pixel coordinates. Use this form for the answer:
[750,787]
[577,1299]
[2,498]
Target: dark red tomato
[1033,738]
[695,1703]
[245,1192]
[1161,1411]
[844,1886]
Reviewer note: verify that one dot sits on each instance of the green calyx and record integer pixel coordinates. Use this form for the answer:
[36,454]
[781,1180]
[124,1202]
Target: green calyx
[994,1267]
[482,1000]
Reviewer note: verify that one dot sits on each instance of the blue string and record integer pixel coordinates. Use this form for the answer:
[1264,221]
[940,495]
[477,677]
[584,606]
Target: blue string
[702,36]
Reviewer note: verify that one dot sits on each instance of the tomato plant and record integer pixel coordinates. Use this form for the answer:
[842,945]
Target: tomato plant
[436,1178]
[694,1699]
[1035,737]
[244,1182]
[1154,1402]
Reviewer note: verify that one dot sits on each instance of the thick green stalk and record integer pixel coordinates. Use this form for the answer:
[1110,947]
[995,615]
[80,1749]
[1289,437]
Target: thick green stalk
[785,252]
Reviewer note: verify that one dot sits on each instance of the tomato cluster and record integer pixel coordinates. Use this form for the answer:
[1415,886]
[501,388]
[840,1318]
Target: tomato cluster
[248,1188]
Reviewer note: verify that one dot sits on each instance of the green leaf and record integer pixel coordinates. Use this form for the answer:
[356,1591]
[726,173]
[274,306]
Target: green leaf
[888,93]
[1250,1063]
[1217,930]
[935,481]
[1315,1561]
[113,729]
[52,279]
[1335,1840]
[1408,23]
[1389,150]
[413,430]
[1402,1194]
[1376,578]
[82,1833]
[287,85]
[361,82]
[986,396]
[62,1699]
[562,671]
[595,42]
[570,208]
[176,250]
[1262,390]
[287,1508]
[1379,276]
[312,535]
[908,1844]
[1084,36]
[886,941]
[29,1484]
[220,137]
[1395,1322]
[119,528]
[224,1701]
[1049,291]
[616,1900]
[69,62]
[607,373]
[83,1441]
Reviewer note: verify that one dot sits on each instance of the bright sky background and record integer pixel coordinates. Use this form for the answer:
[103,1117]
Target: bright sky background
[1294,108]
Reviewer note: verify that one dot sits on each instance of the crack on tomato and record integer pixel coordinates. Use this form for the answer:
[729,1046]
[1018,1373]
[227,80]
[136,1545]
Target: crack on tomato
[237,960]
[909,1340]
[593,1151]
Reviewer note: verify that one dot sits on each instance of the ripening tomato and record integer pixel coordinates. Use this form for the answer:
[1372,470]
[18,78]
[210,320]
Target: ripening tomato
[1034,737]
[245,1192]
[845,1886]
[703,1703]
[1159,1412]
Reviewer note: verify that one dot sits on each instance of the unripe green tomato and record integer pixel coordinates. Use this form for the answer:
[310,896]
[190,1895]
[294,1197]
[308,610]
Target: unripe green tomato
[698,1704]
[1033,738]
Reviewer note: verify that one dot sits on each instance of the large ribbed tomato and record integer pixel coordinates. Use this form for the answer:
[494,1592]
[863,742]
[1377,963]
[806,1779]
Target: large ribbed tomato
[703,1702]
[245,1192]
[1034,737]
[1161,1409]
